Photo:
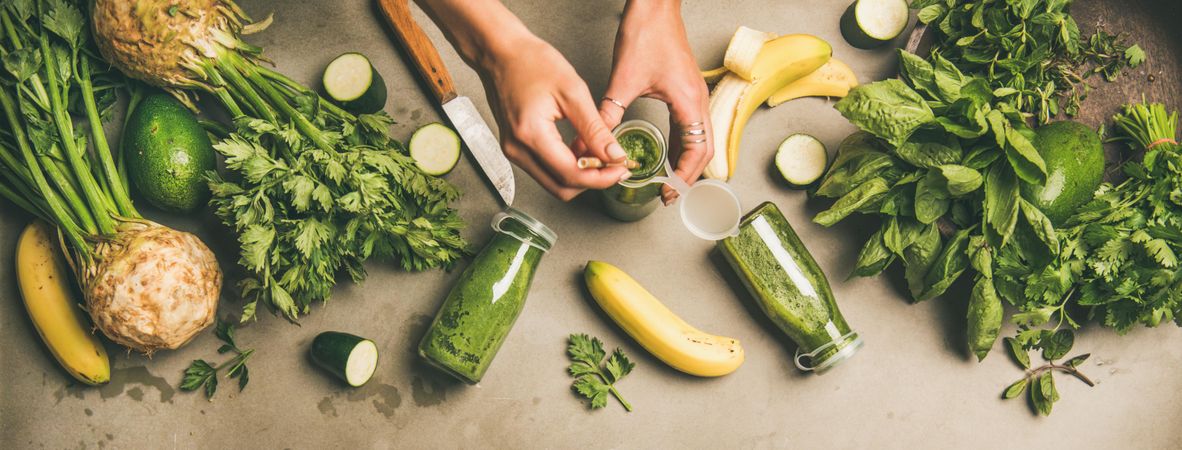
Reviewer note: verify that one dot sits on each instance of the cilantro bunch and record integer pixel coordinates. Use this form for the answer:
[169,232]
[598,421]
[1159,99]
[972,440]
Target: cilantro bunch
[1033,47]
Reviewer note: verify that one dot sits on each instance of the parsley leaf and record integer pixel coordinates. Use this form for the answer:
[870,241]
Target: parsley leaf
[201,375]
[593,379]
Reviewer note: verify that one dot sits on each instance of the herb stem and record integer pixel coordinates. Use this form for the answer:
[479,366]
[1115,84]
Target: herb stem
[627,406]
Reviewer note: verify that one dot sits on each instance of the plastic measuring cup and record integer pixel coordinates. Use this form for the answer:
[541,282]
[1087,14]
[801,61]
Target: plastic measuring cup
[710,209]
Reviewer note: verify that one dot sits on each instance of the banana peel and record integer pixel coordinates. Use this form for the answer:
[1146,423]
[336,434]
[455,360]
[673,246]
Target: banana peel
[834,79]
[750,81]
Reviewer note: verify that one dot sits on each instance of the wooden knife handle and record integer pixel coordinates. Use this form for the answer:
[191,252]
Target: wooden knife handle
[422,52]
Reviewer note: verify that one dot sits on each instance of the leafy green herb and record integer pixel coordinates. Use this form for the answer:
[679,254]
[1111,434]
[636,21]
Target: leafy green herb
[202,375]
[1040,381]
[1032,50]
[594,379]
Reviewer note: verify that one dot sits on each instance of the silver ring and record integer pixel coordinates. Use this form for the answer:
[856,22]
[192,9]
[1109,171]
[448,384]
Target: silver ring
[696,141]
[615,102]
[697,132]
[694,124]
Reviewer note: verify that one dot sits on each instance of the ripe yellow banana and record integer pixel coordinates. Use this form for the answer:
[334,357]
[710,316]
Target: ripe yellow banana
[779,62]
[834,79]
[45,286]
[656,328]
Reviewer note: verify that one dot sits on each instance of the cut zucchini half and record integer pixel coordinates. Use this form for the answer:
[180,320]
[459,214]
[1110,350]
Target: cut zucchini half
[801,160]
[435,148]
[351,358]
[352,82]
[867,24]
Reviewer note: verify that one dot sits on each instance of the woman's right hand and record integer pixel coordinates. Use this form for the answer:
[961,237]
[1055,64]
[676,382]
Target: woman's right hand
[530,88]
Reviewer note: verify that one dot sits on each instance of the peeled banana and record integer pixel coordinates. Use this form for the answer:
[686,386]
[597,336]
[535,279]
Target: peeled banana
[834,79]
[45,286]
[656,328]
[751,81]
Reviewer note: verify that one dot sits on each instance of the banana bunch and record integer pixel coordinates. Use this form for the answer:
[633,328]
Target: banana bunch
[762,67]
[656,328]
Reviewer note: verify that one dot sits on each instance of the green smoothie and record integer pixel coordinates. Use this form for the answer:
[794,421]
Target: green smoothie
[486,300]
[635,198]
[790,288]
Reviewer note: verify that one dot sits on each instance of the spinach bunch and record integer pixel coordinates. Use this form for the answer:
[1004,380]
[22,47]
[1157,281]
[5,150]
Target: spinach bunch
[1031,46]
[940,158]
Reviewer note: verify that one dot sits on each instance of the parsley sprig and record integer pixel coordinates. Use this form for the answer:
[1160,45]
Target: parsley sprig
[593,379]
[202,374]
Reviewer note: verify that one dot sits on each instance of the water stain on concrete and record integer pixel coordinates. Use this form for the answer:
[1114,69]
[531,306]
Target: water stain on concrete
[88,412]
[385,399]
[428,391]
[416,114]
[121,379]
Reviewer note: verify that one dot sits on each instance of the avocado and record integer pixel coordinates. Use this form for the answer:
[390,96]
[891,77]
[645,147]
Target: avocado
[167,154]
[1074,160]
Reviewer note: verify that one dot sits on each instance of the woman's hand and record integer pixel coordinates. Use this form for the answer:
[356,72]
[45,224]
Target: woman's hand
[530,86]
[653,59]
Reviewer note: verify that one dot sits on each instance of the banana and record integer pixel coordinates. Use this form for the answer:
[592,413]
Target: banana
[743,51]
[713,75]
[45,286]
[656,328]
[834,79]
[777,63]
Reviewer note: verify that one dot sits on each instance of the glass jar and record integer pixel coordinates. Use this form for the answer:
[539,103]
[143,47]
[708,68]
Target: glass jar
[790,288]
[635,198]
[486,300]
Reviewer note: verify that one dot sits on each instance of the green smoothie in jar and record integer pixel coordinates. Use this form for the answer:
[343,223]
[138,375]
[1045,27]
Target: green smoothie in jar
[790,288]
[486,300]
[635,198]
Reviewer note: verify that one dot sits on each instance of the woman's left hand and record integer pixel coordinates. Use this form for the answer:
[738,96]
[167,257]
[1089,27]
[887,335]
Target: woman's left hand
[653,59]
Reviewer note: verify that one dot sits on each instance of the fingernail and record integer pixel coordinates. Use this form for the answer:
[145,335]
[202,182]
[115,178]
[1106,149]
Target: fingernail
[616,152]
[626,175]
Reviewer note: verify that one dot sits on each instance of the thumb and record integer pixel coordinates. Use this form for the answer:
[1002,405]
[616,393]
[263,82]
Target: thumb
[592,131]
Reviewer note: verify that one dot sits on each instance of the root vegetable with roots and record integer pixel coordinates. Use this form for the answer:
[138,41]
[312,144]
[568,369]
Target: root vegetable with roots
[147,287]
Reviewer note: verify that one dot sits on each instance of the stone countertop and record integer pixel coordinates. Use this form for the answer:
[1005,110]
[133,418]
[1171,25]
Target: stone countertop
[912,385]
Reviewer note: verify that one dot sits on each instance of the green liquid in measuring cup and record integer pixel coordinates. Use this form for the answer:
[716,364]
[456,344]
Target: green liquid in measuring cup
[789,286]
[485,302]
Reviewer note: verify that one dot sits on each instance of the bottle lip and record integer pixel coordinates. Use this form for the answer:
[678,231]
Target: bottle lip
[535,226]
[846,346]
[645,126]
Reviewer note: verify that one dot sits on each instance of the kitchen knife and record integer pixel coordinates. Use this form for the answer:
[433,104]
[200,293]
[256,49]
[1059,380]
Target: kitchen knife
[459,109]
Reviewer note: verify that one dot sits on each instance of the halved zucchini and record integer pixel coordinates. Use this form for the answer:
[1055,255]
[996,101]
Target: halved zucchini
[801,160]
[352,82]
[435,148]
[351,358]
[867,24]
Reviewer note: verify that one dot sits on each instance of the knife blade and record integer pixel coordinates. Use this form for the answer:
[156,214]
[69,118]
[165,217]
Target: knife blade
[460,110]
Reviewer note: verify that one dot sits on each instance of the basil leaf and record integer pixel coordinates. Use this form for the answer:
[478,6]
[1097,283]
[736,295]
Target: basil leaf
[888,109]
[1018,352]
[867,193]
[918,259]
[1015,389]
[919,72]
[1057,345]
[1043,229]
[1001,204]
[874,257]
[928,148]
[1076,361]
[1024,158]
[960,180]
[931,198]
[981,256]
[947,267]
[984,318]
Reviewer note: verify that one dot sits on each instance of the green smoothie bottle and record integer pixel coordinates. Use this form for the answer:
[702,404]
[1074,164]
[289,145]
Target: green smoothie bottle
[635,198]
[485,302]
[790,288]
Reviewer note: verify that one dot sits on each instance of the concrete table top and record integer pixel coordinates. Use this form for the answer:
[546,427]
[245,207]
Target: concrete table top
[912,385]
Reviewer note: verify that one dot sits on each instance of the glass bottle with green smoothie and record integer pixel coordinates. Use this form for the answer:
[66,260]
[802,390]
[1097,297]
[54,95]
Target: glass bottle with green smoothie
[635,198]
[790,288]
[486,300]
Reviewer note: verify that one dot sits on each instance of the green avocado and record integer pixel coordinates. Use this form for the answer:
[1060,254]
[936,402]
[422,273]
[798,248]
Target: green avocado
[1074,159]
[167,154]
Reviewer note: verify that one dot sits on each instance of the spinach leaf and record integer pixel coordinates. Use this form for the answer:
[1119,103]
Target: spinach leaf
[867,193]
[888,109]
[1001,204]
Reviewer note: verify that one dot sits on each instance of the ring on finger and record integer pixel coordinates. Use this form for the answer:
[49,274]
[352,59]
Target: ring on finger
[697,132]
[694,141]
[615,102]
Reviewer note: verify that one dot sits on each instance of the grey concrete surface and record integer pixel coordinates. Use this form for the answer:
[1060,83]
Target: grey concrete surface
[912,386]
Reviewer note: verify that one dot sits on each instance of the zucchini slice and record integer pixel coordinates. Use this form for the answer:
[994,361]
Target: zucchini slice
[867,24]
[435,148]
[801,160]
[351,358]
[352,82]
